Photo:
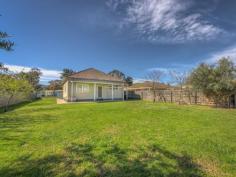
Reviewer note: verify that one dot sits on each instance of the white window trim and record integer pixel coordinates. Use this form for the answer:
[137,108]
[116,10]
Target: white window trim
[87,88]
[83,88]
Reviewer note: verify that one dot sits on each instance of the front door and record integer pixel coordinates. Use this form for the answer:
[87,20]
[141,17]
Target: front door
[99,91]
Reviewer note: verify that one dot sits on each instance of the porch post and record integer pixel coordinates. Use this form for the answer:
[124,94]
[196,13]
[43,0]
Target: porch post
[94,92]
[112,92]
[71,91]
[123,91]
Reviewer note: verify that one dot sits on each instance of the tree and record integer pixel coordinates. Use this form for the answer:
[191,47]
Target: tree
[129,80]
[121,75]
[5,44]
[154,76]
[117,73]
[66,73]
[33,77]
[11,85]
[55,85]
[216,81]
[3,69]
[180,79]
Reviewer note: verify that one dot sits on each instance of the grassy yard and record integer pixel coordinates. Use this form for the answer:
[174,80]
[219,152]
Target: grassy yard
[117,139]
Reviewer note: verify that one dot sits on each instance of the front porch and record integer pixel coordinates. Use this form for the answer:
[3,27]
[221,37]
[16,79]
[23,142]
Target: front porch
[94,91]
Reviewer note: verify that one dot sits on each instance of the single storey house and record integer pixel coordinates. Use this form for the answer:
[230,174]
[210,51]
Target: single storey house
[137,90]
[93,85]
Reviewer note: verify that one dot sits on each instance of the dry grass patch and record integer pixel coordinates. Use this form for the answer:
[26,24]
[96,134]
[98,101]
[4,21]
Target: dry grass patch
[212,168]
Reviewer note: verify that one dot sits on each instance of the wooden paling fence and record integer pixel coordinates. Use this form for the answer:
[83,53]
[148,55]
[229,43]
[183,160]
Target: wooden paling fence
[186,96]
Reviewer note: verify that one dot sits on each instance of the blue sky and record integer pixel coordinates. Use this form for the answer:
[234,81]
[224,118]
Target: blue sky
[133,36]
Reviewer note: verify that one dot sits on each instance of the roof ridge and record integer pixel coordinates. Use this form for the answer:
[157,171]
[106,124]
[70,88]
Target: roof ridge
[87,70]
[95,71]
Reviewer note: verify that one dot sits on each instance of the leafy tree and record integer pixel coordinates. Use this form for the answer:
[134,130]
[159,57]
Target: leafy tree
[55,85]
[121,75]
[117,73]
[216,81]
[129,80]
[3,69]
[4,43]
[66,73]
[33,77]
[12,85]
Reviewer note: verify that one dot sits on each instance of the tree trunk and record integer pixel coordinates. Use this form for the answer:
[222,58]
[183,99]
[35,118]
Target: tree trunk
[154,96]
[195,97]
[180,96]
[189,96]
[8,102]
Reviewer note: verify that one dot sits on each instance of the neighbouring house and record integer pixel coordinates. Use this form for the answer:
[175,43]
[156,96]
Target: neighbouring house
[137,90]
[50,93]
[93,85]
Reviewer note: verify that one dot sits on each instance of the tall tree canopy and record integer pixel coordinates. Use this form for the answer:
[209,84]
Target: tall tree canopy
[4,43]
[121,75]
[33,77]
[66,72]
[55,85]
[129,80]
[216,81]
[3,69]
[117,73]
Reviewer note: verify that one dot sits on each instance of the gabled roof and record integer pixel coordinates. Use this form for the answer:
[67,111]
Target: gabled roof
[94,74]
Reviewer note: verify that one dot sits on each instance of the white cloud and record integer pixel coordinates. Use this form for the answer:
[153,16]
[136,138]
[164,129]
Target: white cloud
[165,20]
[139,80]
[47,74]
[228,52]
[174,67]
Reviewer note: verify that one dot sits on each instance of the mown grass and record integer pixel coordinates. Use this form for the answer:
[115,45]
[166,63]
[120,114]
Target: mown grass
[133,138]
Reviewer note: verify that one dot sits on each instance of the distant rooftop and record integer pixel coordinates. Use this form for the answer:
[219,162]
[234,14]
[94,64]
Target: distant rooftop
[94,74]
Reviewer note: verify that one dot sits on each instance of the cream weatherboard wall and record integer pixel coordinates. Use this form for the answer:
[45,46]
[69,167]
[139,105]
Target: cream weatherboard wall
[65,90]
[80,91]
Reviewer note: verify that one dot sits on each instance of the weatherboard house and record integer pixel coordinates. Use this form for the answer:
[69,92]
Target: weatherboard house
[93,85]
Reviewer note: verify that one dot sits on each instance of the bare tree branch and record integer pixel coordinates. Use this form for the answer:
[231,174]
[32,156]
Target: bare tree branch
[179,78]
[154,76]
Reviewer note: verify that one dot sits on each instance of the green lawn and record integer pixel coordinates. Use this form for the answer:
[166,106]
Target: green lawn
[133,138]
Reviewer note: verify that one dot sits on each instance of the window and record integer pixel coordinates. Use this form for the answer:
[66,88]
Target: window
[115,87]
[85,88]
[80,88]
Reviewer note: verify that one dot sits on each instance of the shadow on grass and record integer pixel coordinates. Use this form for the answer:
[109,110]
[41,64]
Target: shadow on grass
[17,106]
[14,128]
[15,125]
[87,160]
